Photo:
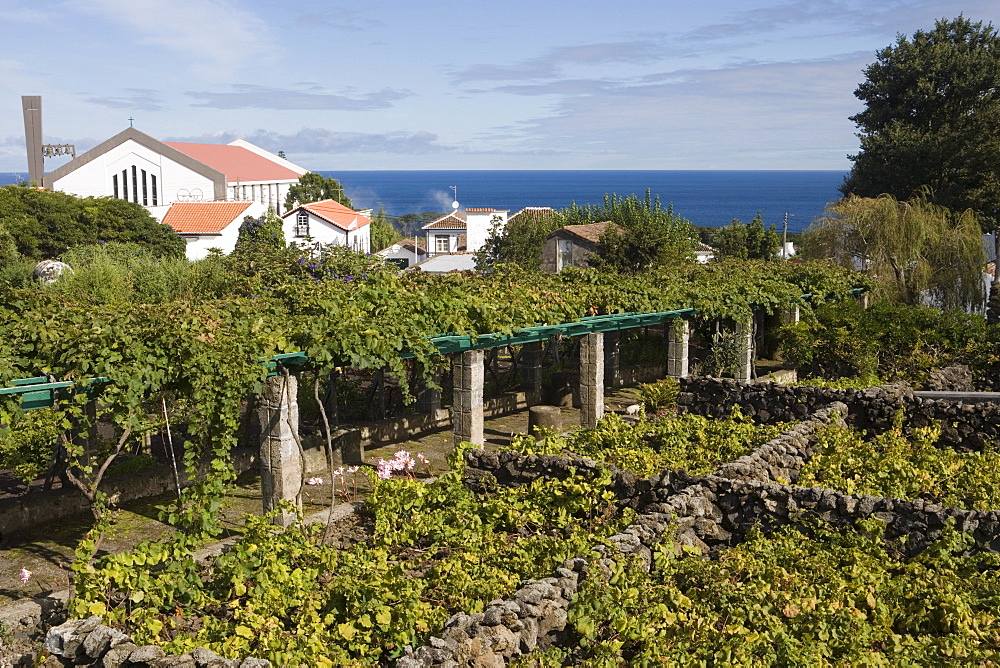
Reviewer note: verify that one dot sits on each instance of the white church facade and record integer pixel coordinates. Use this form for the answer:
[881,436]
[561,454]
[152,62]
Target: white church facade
[136,167]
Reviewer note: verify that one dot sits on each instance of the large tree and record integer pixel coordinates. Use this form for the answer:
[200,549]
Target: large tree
[912,248]
[45,224]
[313,187]
[931,122]
[746,241]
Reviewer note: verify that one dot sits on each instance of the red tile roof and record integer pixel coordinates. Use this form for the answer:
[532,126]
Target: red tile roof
[591,232]
[236,162]
[334,213]
[452,221]
[204,217]
[535,214]
[485,210]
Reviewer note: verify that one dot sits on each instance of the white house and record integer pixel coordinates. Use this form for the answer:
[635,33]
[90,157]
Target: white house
[208,225]
[461,231]
[134,166]
[404,253]
[328,222]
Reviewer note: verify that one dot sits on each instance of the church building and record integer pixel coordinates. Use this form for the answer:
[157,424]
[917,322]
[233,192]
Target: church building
[136,167]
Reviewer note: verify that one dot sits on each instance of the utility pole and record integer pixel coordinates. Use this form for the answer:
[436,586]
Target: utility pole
[784,237]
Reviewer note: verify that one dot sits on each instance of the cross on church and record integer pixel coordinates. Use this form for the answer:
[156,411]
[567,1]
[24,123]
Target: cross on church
[130,119]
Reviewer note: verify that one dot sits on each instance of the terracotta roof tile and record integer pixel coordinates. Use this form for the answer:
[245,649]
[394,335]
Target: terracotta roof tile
[334,213]
[533,213]
[485,210]
[591,232]
[204,217]
[452,221]
[236,162]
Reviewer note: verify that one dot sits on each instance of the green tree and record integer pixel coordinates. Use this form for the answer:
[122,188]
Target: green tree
[261,233]
[911,248]
[8,248]
[313,187]
[383,234]
[520,241]
[747,241]
[45,224]
[931,121]
[652,234]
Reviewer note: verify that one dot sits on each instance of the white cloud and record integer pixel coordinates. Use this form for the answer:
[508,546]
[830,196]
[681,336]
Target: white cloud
[218,36]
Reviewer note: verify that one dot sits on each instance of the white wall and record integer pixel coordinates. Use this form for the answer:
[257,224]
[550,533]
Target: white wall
[174,182]
[478,226]
[199,245]
[268,193]
[452,235]
[322,232]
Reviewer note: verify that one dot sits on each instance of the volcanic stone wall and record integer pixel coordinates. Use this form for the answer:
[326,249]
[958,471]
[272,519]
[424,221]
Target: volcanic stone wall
[875,409]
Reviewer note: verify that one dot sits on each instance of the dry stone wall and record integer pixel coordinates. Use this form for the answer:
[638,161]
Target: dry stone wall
[712,512]
[875,409]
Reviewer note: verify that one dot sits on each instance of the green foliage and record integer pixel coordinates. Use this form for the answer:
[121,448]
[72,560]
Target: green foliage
[383,234]
[659,395]
[914,249]
[437,549]
[313,187]
[124,272]
[796,598]
[691,442]
[8,248]
[45,224]
[652,236]
[894,465]
[747,240]
[260,234]
[889,341]
[931,119]
[520,242]
[27,444]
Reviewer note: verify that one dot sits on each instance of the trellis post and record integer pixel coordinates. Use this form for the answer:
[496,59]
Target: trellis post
[280,460]
[467,398]
[612,369]
[744,346]
[678,343]
[591,379]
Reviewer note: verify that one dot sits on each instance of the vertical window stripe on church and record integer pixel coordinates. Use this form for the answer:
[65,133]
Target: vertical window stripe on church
[145,201]
[124,184]
[135,185]
[114,184]
[153,177]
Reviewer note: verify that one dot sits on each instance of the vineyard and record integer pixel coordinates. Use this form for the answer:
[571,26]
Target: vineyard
[795,526]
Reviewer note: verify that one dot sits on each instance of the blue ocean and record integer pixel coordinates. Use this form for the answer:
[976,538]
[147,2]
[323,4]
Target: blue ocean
[707,198]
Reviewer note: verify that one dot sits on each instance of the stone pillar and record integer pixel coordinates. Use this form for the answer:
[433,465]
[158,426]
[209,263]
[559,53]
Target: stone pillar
[862,299]
[744,342]
[612,377]
[591,379]
[280,461]
[790,315]
[678,343]
[467,400]
[531,368]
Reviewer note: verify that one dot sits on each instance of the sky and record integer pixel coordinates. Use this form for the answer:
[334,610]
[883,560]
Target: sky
[469,84]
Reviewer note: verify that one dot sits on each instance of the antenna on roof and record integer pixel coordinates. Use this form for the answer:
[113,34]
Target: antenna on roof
[454,204]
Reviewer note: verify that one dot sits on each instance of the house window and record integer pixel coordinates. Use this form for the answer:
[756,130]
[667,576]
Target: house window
[442,243]
[565,254]
[114,184]
[302,224]
[153,177]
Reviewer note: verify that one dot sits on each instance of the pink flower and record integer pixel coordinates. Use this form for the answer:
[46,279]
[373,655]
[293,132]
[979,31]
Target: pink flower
[25,575]
[384,469]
